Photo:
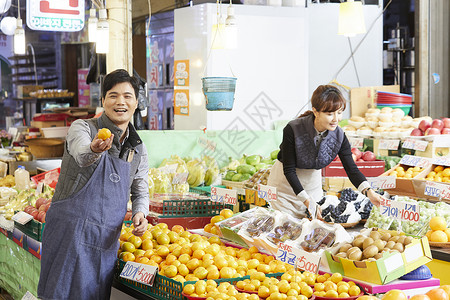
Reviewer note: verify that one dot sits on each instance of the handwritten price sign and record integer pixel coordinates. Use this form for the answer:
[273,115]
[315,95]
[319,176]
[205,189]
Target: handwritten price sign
[389,144]
[443,161]
[404,211]
[356,142]
[267,193]
[415,144]
[383,182]
[410,160]
[437,190]
[225,196]
[139,272]
[298,258]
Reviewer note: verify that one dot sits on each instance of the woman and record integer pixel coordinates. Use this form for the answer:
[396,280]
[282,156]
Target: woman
[309,144]
[80,240]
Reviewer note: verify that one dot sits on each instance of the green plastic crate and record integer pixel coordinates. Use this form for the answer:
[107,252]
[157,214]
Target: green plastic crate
[192,208]
[163,287]
[203,190]
[33,229]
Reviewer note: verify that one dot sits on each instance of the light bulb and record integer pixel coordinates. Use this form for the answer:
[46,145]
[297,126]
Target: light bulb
[19,39]
[92,25]
[230,29]
[351,18]
[4,6]
[102,39]
[8,25]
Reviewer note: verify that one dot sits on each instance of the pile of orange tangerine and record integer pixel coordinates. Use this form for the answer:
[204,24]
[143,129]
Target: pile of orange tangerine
[439,174]
[439,232]
[212,227]
[183,256]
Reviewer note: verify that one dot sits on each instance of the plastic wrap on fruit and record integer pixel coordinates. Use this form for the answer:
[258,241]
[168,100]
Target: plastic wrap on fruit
[318,238]
[180,188]
[161,181]
[151,187]
[260,224]
[197,170]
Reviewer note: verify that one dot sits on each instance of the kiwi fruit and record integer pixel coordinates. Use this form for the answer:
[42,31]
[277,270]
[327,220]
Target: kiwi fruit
[408,240]
[385,236]
[355,255]
[390,245]
[399,247]
[375,235]
[394,238]
[370,251]
[379,244]
[367,242]
[345,247]
[358,242]
[401,239]
[371,259]
[352,249]
[342,254]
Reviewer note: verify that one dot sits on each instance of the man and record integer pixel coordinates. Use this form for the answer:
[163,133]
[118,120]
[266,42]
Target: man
[80,240]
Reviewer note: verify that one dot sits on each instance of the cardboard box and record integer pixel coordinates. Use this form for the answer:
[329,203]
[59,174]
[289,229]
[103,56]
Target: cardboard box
[386,269]
[438,146]
[368,168]
[46,124]
[365,97]
[34,247]
[19,237]
[336,184]
[403,186]
[419,184]
[23,91]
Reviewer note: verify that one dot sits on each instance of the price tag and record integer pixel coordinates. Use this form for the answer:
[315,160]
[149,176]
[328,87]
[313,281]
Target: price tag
[250,196]
[383,182]
[139,272]
[410,160]
[22,217]
[356,142]
[445,192]
[408,144]
[424,163]
[298,258]
[225,196]
[268,193]
[435,189]
[415,144]
[404,211]
[442,161]
[29,296]
[169,169]
[180,178]
[389,144]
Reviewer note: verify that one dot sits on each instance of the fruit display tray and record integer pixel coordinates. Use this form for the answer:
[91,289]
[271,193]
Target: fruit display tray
[439,245]
[33,229]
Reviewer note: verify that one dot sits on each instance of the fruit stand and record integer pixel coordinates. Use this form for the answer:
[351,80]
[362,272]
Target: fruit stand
[242,247]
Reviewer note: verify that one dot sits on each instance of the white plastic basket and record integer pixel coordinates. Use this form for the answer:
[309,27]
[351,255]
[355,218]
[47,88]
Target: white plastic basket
[55,132]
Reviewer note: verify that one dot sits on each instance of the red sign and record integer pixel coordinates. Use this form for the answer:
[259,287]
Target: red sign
[83,88]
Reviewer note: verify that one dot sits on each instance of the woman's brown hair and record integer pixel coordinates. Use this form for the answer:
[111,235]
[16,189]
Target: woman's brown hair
[326,98]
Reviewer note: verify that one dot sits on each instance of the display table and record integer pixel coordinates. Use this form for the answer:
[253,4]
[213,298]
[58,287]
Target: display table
[440,265]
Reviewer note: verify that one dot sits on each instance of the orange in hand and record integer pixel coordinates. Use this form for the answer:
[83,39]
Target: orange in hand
[104,134]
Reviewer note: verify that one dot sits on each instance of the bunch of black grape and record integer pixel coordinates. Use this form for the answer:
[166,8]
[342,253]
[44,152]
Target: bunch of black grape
[366,210]
[322,201]
[348,195]
[341,219]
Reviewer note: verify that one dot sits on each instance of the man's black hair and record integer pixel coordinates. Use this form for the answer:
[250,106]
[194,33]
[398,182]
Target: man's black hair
[119,76]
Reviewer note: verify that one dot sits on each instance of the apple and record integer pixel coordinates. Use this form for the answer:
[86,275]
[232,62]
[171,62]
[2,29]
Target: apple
[360,160]
[29,208]
[357,152]
[445,131]
[437,123]
[35,214]
[432,131]
[369,156]
[41,216]
[354,157]
[42,207]
[446,122]
[39,202]
[47,206]
[424,125]
[416,132]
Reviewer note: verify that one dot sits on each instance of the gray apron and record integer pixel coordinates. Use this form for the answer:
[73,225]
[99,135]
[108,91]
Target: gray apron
[287,201]
[80,239]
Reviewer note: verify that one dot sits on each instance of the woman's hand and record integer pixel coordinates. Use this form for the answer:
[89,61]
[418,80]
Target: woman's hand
[99,145]
[374,197]
[140,224]
[318,209]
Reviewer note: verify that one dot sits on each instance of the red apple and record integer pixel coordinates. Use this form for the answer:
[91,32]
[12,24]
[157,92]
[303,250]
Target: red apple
[47,206]
[29,208]
[445,131]
[446,122]
[437,123]
[360,160]
[35,214]
[42,207]
[354,157]
[416,132]
[357,152]
[432,131]
[39,202]
[369,156]
[41,217]
[424,125]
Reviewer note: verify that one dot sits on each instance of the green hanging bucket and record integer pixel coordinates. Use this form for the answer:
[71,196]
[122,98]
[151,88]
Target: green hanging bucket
[219,92]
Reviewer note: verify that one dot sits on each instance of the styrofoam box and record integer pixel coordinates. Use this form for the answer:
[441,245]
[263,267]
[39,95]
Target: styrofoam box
[55,132]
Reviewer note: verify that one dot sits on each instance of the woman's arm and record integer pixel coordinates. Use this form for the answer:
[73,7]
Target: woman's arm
[289,157]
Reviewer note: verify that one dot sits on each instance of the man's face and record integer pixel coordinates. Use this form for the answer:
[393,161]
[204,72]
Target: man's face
[120,103]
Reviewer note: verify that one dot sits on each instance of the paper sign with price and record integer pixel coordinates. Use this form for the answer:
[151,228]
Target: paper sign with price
[383,182]
[139,272]
[437,190]
[225,196]
[298,257]
[268,193]
[389,144]
[356,142]
[415,144]
[410,160]
[404,211]
[442,161]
